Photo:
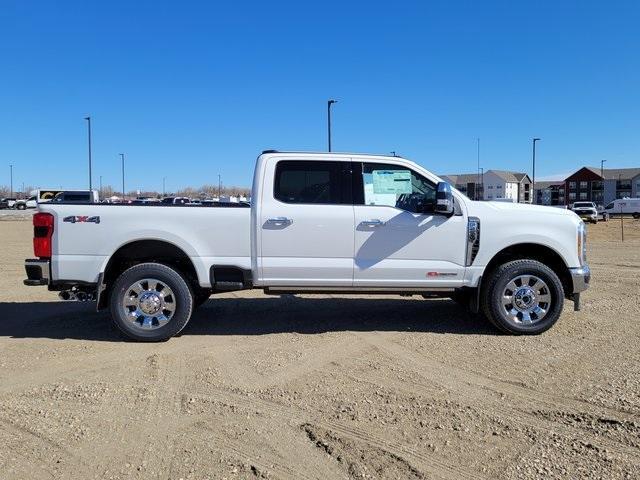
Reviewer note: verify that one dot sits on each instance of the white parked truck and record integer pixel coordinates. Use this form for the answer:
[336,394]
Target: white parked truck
[318,223]
[586,211]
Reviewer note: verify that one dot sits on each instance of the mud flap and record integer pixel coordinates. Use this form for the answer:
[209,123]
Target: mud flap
[576,302]
[101,300]
[474,298]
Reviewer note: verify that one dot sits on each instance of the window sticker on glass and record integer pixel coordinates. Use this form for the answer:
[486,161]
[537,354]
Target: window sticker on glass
[391,181]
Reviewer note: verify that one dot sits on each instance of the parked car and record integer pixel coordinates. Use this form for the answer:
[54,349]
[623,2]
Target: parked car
[586,211]
[23,204]
[624,206]
[7,203]
[176,200]
[216,203]
[145,201]
[340,223]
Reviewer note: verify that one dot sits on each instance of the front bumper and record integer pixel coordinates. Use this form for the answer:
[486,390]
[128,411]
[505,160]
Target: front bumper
[38,272]
[580,276]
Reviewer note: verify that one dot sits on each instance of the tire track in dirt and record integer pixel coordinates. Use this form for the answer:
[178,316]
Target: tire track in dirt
[42,444]
[471,385]
[430,464]
[240,451]
[153,397]
[321,356]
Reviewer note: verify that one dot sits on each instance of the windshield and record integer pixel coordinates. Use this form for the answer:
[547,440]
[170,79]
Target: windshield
[583,204]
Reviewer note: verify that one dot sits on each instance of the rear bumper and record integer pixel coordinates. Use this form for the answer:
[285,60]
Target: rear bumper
[38,272]
[580,276]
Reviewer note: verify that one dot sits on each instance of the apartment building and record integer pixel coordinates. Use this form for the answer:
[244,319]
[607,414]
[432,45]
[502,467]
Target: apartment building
[601,186]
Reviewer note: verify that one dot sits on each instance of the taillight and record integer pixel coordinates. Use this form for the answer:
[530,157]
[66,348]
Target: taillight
[42,233]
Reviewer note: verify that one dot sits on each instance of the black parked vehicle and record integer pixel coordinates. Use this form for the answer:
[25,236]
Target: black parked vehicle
[7,203]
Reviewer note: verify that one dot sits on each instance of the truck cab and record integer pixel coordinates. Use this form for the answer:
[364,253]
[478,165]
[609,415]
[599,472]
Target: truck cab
[318,223]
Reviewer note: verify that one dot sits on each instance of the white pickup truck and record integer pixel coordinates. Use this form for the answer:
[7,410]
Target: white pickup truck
[318,222]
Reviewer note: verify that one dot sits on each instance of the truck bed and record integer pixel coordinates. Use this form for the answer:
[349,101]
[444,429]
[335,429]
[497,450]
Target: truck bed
[86,235]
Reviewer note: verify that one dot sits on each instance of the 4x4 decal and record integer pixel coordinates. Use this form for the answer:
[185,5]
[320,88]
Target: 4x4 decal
[81,219]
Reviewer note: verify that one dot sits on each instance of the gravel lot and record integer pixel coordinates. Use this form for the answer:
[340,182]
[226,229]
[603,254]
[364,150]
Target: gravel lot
[11,214]
[317,386]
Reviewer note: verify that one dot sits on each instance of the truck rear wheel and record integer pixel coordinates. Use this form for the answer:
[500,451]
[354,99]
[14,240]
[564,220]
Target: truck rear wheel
[523,297]
[150,302]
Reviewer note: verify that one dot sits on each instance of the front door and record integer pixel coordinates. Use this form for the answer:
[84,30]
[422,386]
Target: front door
[306,224]
[399,241]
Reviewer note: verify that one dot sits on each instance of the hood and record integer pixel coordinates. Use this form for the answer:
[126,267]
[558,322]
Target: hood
[522,208]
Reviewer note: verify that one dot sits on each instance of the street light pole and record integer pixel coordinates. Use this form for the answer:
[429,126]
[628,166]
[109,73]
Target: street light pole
[11,181]
[219,186]
[482,183]
[329,103]
[602,162]
[88,119]
[533,180]
[478,170]
[123,191]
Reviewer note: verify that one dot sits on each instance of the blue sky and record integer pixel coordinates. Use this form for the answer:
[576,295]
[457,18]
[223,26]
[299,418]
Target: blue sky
[190,90]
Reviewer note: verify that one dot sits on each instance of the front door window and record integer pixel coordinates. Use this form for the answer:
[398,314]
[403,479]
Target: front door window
[397,186]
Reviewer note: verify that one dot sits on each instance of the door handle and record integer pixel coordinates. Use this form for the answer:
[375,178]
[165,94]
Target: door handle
[372,223]
[279,221]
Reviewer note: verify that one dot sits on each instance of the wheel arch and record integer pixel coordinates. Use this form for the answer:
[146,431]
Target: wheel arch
[533,251]
[142,251]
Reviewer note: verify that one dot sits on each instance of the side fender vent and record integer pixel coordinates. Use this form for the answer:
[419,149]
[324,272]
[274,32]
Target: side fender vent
[473,240]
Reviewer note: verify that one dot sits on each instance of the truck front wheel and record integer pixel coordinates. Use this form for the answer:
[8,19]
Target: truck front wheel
[522,297]
[150,302]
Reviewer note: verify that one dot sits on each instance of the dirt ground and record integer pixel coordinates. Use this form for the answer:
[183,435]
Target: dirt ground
[319,386]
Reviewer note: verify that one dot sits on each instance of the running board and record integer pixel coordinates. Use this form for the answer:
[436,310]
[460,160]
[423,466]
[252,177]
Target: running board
[358,290]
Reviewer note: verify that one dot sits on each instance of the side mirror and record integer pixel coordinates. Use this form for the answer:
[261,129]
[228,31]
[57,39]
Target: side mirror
[444,199]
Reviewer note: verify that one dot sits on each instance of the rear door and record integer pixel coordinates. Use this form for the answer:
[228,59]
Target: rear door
[306,224]
[399,241]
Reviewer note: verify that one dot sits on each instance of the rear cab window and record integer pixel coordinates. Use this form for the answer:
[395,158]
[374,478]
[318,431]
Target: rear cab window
[313,182]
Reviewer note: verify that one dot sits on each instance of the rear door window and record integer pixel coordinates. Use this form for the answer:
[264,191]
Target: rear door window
[311,182]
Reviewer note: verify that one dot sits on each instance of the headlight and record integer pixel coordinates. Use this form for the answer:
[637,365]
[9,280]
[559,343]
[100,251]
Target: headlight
[582,243]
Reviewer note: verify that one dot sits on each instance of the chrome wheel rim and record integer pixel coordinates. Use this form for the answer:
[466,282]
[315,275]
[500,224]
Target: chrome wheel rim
[526,299]
[149,303]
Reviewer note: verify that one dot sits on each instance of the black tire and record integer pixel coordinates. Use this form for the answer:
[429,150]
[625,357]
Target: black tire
[200,296]
[497,281]
[636,215]
[21,206]
[182,296]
